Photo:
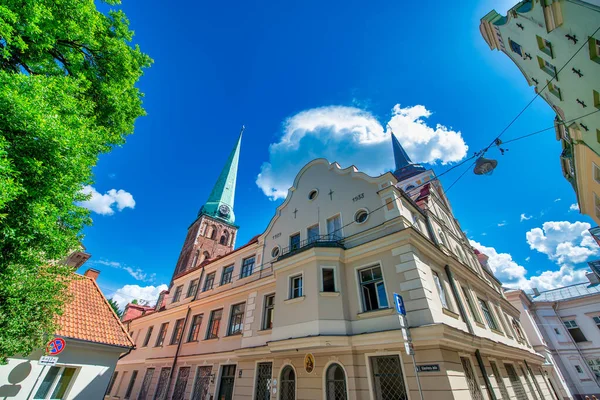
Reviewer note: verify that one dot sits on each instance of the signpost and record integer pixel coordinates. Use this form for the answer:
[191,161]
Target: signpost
[408,346]
[55,346]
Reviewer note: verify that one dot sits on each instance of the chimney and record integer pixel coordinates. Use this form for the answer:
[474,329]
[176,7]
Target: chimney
[92,273]
[536,292]
[593,278]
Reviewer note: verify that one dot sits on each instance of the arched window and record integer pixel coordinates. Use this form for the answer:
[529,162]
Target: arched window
[224,239]
[213,232]
[205,256]
[335,383]
[196,258]
[442,238]
[288,384]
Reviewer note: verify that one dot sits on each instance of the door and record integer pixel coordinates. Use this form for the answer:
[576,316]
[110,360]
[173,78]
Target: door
[202,381]
[288,384]
[388,381]
[334,228]
[295,242]
[227,381]
[181,383]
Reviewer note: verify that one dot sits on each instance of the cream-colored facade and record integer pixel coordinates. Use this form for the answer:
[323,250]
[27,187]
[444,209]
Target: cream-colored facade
[333,332]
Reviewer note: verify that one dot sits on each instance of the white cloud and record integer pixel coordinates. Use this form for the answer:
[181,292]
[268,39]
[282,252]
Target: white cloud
[559,199]
[128,293]
[352,136]
[513,275]
[574,207]
[525,217]
[137,273]
[527,259]
[563,242]
[104,203]
[502,223]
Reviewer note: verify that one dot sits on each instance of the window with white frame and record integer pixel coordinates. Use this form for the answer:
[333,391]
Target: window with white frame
[596,173]
[440,289]
[247,266]
[57,381]
[372,288]
[227,274]
[575,331]
[328,278]
[470,304]
[269,312]
[487,313]
[597,321]
[236,320]
[312,233]
[296,286]
[193,288]
[177,294]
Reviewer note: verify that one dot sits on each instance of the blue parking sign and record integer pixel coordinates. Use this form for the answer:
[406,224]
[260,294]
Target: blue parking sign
[399,304]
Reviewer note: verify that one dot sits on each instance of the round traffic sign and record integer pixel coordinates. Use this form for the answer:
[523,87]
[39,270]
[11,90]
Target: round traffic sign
[55,346]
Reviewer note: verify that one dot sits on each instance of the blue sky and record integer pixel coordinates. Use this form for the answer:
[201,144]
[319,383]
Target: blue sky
[301,71]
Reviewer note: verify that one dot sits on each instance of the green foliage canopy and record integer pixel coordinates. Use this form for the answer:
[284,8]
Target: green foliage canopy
[67,94]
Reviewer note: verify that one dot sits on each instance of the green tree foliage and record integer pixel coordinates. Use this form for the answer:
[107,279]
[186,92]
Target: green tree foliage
[67,94]
[115,307]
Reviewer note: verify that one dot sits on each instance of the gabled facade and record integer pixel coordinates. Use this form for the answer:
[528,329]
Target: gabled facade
[542,37]
[304,310]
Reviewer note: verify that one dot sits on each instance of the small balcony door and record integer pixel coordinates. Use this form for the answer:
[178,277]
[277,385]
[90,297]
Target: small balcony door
[334,227]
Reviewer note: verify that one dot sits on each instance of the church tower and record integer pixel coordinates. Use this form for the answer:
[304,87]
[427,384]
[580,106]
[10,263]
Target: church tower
[213,233]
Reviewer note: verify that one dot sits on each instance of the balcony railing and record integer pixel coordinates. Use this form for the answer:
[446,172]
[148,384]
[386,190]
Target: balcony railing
[332,240]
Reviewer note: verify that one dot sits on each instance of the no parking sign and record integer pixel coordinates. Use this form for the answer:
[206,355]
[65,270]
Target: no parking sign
[55,346]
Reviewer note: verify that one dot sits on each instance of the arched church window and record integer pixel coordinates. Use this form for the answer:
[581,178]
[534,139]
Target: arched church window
[224,239]
[206,255]
[213,233]
[196,258]
[409,187]
[210,231]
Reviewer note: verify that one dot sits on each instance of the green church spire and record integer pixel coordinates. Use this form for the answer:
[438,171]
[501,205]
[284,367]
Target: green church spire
[220,202]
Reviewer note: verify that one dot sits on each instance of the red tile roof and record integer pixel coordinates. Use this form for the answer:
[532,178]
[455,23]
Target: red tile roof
[88,316]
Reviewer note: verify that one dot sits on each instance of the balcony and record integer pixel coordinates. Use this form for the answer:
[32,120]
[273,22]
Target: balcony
[315,241]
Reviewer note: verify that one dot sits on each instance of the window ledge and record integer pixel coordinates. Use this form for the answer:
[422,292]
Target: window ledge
[294,300]
[496,331]
[375,313]
[211,339]
[450,313]
[329,294]
[233,336]
[479,324]
[191,341]
[265,331]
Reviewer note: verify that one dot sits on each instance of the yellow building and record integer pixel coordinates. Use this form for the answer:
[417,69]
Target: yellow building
[305,310]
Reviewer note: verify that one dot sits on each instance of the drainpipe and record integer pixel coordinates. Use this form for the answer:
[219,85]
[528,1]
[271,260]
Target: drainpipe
[463,314]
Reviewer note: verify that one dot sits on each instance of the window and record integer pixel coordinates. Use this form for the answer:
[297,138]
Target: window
[181,383]
[361,216]
[161,334]
[515,47]
[193,288]
[236,320]
[264,372]
[575,331]
[288,384]
[557,331]
[596,99]
[597,205]
[388,382]
[247,267]
[470,304]
[372,288]
[195,328]
[146,383]
[57,382]
[334,227]
[596,173]
[555,90]
[113,379]
[312,233]
[177,294]
[470,377]
[214,324]
[578,369]
[499,381]
[440,289]
[295,242]
[528,382]
[226,276]
[335,383]
[130,386]
[147,338]
[546,67]
[545,46]
[209,281]
[227,382]
[598,135]
[518,331]
[295,286]
[275,252]
[488,314]
[224,239]
[177,332]
[202,383]
[269,312]
[313,194]
[594,49]
[597,321]
[161,388]
[328,279]
[443,241]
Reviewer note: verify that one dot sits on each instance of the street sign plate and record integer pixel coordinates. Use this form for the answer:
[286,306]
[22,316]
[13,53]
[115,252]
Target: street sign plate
[399,304]
[48,360]
[403,321]
[429,368]
[409,348]
[405,334]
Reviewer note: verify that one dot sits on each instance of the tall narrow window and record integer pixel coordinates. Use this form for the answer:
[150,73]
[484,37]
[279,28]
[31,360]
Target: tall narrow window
[518,332]
[111,384]
[227,382]
[227,274]
[269,312]
[335,383]
[470,377]
[312,233]
[296,286]
[264,371]
[470,304]
[209,281]
[334,228]
[147,338]
[328,279]
[515,47]
[388,382]
[193,288]
[545,46]
[515,382]
[236,320]
[499,381]
[535,382]
[372,288]
[487,314]
[177,294]
[288,383]
[201,383]
[214,324]
[575,331]
[597,321]
[195,328]
[247,266]
[61,388]
[529,384]
[161,388]
[440,289]
[161,334]
[177,331]
[181,383]
[130,386]
[294,242]
[146,384]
